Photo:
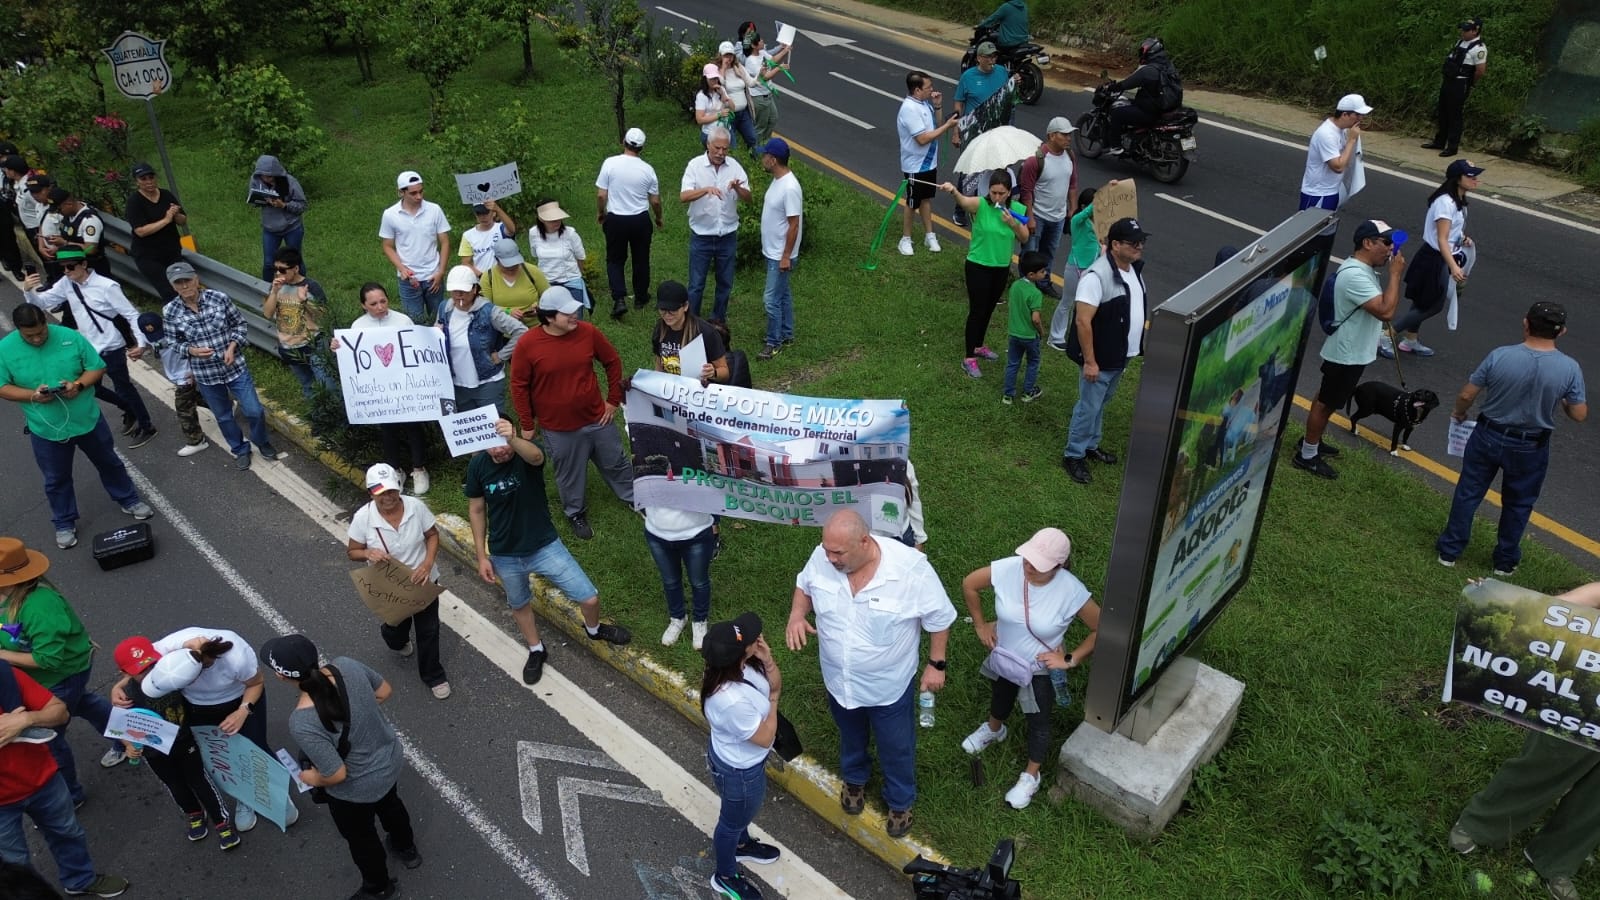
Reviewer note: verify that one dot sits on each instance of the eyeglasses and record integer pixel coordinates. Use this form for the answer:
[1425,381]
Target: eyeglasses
[69,266]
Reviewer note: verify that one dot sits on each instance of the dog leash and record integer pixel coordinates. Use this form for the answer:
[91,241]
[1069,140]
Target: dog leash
[1394,344]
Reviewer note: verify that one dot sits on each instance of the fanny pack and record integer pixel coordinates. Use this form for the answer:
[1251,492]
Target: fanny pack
[1008,665]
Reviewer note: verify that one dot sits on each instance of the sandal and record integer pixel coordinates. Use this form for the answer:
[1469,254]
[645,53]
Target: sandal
[853,798]
[899,823]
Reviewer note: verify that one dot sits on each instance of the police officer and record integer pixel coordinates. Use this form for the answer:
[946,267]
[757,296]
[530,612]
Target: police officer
[81,229]
[1463,66]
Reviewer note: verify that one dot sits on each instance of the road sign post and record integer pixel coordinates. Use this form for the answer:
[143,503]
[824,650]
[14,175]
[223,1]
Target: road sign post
[139,69]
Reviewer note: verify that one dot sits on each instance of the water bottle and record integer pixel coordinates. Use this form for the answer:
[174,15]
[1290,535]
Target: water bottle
[1058,679]
[135,753]
[925,709]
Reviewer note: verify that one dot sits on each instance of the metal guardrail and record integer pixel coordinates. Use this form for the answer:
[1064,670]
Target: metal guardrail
[246,290]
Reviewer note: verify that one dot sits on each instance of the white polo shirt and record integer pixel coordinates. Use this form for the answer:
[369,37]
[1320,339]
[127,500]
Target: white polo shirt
[629,183]
[224,681]
[916,117]
[416,236]
[1050,610]
[868,643]
[406,543]
[709,215]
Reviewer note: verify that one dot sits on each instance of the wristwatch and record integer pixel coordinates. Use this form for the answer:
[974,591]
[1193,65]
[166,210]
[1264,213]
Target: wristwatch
[938,664]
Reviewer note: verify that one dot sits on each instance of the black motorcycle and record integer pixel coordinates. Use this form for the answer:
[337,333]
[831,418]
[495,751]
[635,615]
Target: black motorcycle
[1023,61]
[1165,148]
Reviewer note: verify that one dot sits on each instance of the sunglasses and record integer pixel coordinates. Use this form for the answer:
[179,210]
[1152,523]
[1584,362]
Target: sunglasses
[283,268]
[69,266]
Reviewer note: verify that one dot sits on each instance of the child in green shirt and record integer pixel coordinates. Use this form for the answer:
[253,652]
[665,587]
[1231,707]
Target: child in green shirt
[1024,327]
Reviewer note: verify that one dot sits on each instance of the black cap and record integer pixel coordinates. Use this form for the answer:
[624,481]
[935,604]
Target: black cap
[726,642]
[292,656]
[671,295]
[141,169]
[58,196]
[1547,313]
[1372,228]
[39,183]
[14,162]
[1127,230]
[1473,24]
[478,209]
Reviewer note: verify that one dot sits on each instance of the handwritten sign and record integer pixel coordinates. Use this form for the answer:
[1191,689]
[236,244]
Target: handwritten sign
[293,768]
[491,184]
[472,430]
[1119,199]
[141,726]
[394,374]
[245,772]
[386,588]
[1456,438]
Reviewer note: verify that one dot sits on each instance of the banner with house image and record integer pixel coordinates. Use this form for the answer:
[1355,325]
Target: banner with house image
[770,457]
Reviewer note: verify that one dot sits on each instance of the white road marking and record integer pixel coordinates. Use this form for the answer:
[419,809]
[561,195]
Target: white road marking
[787,91]
[690,19]
[1215,215]
[832,40]
[865,86]
[569,790]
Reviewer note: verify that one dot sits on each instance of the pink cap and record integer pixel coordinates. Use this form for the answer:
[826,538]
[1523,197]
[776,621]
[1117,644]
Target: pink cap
[1048,549]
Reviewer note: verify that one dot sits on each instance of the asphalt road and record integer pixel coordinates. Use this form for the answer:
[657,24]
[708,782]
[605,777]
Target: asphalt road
[1246,181]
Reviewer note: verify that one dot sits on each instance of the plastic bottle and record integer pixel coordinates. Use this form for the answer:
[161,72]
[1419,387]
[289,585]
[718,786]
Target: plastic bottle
[135,753]
[925,709]
[1058,678]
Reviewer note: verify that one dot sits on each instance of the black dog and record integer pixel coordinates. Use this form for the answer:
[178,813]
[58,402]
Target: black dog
[1405,410]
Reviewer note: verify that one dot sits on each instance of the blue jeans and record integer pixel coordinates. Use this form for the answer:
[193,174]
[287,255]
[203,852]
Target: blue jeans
[704,250]
[672,558]
[553,562]
[84,704]
[1045,239]
[780,303]
[742,792]
[124,396]
[50,808]
[219,399]
[1016,348]
[419,301]
[744,125]
[271,242]
[55,464]
[896,736]
[1522,464]
[310,374]
[1088,415]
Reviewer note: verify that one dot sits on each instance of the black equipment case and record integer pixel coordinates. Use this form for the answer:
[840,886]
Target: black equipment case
[124,546]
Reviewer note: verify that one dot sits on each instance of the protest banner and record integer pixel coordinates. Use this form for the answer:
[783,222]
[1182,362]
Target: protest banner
[1354,178]
[245,772]
[1119,199]
[473,430]
[141,726]
[1528,658]
[386,588]
[490,184]
[765,456]
[394,374]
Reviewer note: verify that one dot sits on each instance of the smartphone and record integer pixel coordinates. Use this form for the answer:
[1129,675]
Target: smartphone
[30,269]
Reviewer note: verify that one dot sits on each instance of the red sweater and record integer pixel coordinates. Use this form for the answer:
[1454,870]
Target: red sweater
[25,768]
[553,381]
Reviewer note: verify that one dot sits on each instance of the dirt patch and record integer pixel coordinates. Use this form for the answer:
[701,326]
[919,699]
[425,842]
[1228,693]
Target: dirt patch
[814,372]
[1418,695]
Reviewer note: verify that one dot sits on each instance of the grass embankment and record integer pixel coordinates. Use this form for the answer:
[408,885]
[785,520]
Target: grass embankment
[1340,637]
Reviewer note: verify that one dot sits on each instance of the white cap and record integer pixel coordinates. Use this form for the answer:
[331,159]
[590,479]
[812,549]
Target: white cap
[382,476]
[727,47]
[172,672]
[634,138]
[460,279]
[1353,103]
[407,179]
[560,300]
[1060,125]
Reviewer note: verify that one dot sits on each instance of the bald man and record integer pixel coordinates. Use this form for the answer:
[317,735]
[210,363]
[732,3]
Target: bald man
[872,597]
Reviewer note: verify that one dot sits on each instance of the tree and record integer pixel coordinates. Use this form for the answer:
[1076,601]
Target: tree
[611,41]
[520,14]
[358,21]
[438,38]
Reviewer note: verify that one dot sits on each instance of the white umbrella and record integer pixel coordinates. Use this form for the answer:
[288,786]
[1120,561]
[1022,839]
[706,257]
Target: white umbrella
[997,148]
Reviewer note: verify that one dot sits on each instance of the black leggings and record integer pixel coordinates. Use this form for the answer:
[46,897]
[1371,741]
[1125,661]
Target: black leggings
[1003,696]
[185,777]
[411,436]
[985,285]
[354,821]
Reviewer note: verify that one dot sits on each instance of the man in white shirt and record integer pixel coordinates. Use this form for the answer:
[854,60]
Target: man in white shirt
[872,597]
[627,192]
[1334,146]
[713,186]
[1049,184]
[919,155]
[781,228]
[1108,330]
[416,238]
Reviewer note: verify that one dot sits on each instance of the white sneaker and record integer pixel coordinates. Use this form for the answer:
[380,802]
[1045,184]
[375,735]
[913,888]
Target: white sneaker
[419,482]
[441,691]
[244,818]
[113,758]
[699,631]
[1022,794]
[983,737]
[192,449]
[932,240]
[905,246]
[673,632]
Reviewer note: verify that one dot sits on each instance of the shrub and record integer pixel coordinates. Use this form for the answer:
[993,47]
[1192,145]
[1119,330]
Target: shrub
[1376,849]
[1585,158]
[54,120]
[666,72]
[258,110]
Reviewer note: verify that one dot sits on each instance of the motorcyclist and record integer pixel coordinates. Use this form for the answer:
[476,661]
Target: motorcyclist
[1153,82]
[1010,21]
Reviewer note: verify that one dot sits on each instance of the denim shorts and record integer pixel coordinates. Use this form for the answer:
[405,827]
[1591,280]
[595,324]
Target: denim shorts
[553,562]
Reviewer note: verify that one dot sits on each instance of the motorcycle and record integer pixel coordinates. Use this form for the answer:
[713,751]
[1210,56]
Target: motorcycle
[1165,148]
[1023,61]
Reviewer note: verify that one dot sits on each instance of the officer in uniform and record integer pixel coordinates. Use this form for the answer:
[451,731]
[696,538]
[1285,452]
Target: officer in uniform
[81,229]
[1463,66]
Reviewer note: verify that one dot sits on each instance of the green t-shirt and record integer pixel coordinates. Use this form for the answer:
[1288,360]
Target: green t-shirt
[1356,341]
[514,504]
[1025,299]
[992,239]
[1085,246]
[65,356]
[51,631]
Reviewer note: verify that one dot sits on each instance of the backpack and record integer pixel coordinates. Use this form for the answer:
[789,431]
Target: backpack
[739,369]
[1171,88]
[1326,309]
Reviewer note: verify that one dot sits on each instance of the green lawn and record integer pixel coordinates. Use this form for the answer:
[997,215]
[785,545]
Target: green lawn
[1340,636]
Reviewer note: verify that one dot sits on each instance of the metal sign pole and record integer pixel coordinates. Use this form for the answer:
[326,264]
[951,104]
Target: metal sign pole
[161,147]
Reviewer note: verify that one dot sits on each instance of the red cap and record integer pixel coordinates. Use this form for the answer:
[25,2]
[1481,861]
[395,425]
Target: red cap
[136,654]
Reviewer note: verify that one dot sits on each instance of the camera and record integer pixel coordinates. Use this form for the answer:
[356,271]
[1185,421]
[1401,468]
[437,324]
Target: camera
[932,881]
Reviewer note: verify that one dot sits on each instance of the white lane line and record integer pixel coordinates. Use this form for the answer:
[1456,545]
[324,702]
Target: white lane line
[898,64]
[865,86]
[789,92]
[690,19]
[1215,215]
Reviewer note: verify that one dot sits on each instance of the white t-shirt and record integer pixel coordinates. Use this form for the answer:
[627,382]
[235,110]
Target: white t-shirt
[1327,142]
[735,79]
[395,319]
[754,64]
[710,215]
[629,183]
[707,103]
[916,117]
[675,524]
[1090,294]
[784,199]
[734,713]
[1051,608]
[463,370]
[416,237]
[558,255]
[480,244]
[223,681]
[1444,208]
[406,544]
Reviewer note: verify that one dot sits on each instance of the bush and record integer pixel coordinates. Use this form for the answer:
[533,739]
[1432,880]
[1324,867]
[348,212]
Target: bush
[54,120]
[1379,850]
[258,110]
[1585,158]
[480,134]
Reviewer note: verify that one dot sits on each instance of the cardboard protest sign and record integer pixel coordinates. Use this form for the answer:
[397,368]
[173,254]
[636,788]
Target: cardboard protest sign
[386,588]
[1119,199]
[1528,658]
[490,184]
[471,431]
[394,374]
[141,726]
[245,772]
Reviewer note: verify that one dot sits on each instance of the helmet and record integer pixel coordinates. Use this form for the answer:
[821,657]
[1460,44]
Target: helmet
[1151,47]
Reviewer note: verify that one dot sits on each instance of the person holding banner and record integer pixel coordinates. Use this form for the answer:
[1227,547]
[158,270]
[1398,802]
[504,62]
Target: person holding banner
[920,131]
[492,225]
[395,435]
[763,67]
[416,238]
[995,233]
[479,337]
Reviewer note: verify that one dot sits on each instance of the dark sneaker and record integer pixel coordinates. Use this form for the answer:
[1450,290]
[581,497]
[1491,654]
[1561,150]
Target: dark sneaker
[101,886]
[1315,465]
[383,893]
[242,461]
[853,799]
[1327,450]
[1077,469]
[734,887]
[409,858]
[130,424]
[533,669]
[1030,396]
[899,823]
[769,351]
[611,634]
[619,308]
[1101,456]
[268,453]
[227,838]
[1460,841]
[1505,571]
[580,526]
[197,828]
[757,852]
[140,436]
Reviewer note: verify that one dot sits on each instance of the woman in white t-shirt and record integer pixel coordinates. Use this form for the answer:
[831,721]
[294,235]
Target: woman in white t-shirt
[711,103]
[739,697]
[558,249]
[736,84]
[1035,601]
[1440,260]
[401,440]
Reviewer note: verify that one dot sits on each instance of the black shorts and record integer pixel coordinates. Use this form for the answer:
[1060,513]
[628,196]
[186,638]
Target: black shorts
[921,186]
[1338,384]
